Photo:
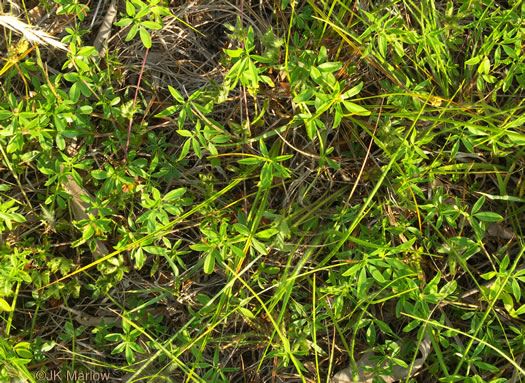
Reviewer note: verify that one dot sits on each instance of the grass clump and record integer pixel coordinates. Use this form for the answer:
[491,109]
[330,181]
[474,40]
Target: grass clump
[315,191]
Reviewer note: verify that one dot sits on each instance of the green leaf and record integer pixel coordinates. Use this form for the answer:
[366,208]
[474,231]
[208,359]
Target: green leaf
[88,232]
[361,282]
[517,122]
[236,71]
[168,111]
[264,149]
[145,37]
[250,161]
[155,193]
[520,311]
[238,252]
[480,83]
[334,165]
[174,194]
[84,88]
[266,175]
[113,337]
[130,9]
[352,271]
[23,350]
[61,143]
[473,61]
[140,257]
[355,109]
[330,66]
[510,52]
[245,312]
[87,51]
[196,147]
[315,74]
[507,82]
[4,306]
[130,356]
[400,362]
[516,138]
[185,149]
[488,216]
[184,133]
[267,234]
[448,288]
[310,129]
[233,53]
[323,55]
[479,203]
[99,174]
[209,262]
[353,91]
[144,10]
[259,247]
[251,74]
[137,347]
[123,22]
[382,44]
[86,109]
[132,32]
[383,326]
[488,276]
[284,157]
[484,67]
[220,139]
[200,247]
[486,366]
[371,334]
[151,25]
[118,349]
[27,115]
[305,95]
[5,114]
[272,270]
[261,59]
[376,274]
[241,229]
[176,95]
[516,290]
[82,65]
[74,92]
[504,264]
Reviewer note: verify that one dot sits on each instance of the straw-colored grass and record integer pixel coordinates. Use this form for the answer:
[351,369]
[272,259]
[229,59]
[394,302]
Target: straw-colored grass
[30,33]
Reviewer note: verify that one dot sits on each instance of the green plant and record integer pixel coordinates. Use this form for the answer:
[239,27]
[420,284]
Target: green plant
[141,17]
[71,331]
[350,180]
[243,60]
[127,342]
[15,358]
[158,209]
[8,215]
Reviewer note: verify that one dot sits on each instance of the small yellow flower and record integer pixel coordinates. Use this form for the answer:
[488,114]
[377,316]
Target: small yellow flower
[22,46]
[435,101]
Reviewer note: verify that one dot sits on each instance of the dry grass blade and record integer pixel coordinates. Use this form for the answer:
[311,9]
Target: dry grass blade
[30,32]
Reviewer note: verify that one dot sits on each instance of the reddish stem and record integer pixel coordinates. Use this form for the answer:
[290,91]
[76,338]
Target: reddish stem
[135,101]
